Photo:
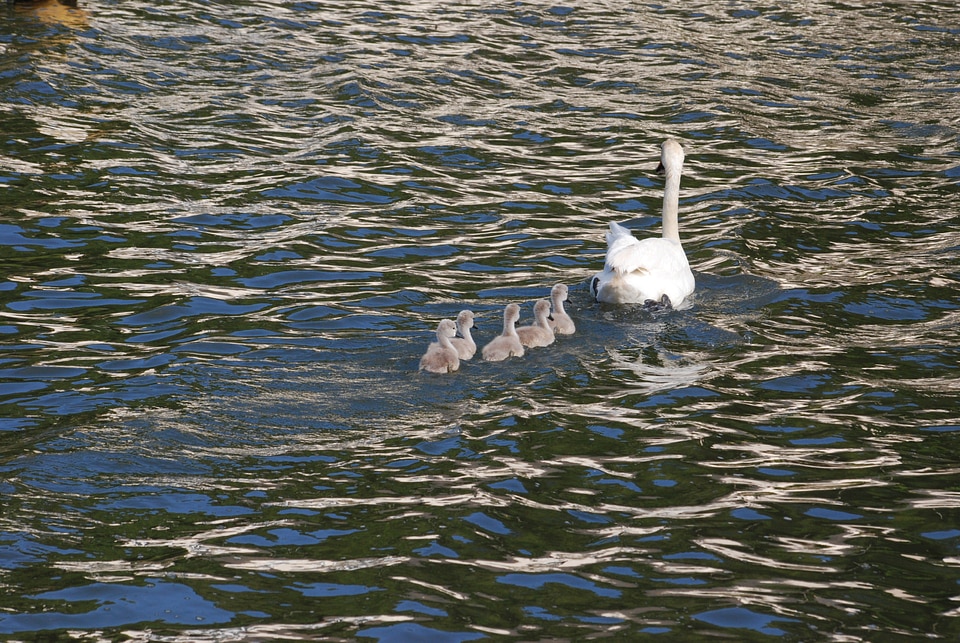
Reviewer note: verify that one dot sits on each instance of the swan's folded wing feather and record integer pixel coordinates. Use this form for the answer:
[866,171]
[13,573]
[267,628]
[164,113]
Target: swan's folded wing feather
[647,256]
[617,231]
[624,255]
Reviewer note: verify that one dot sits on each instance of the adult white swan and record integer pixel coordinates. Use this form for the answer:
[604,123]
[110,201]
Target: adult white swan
[652,270]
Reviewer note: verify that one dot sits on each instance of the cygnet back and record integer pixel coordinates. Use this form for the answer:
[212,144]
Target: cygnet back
[540,333]
[507,344]
[441,356]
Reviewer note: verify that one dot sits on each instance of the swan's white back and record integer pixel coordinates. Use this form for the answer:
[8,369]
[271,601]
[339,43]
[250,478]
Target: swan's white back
[641,271]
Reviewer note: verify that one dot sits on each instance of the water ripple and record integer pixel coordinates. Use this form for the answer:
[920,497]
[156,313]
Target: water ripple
[228,239]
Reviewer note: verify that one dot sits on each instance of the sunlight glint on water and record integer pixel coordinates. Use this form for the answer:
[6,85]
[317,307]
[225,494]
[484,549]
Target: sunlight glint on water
[229,231]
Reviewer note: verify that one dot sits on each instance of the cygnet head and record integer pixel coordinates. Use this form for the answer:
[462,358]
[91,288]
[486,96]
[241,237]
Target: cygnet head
[541,310]
[511,314]
[559,293]
[446,328]
[671,157]
[465,320]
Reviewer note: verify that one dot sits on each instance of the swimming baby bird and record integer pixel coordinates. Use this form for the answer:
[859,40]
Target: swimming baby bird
[466,347]
[507,344]
[540,333]
[441,356]
[652,270]
[560,321]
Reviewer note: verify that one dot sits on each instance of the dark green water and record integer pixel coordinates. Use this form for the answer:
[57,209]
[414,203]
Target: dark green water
[228,230]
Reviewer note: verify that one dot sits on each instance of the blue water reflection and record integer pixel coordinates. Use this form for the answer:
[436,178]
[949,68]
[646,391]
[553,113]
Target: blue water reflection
[742,618]
[229,231]
[115,605]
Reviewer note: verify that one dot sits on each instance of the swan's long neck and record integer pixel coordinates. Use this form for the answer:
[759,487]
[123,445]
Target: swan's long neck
[510,326]
[444,340]
[671,205]
[543,318]
[558,305]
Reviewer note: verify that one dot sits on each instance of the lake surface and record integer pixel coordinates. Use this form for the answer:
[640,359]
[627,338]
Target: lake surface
[229,230]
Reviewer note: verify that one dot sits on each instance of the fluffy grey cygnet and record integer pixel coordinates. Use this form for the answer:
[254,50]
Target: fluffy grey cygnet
[466,347]
[560,321]
[540,333]
[441,356]
[507,344]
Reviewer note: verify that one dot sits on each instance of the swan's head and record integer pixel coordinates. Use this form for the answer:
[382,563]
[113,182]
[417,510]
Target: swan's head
[671,157]
[511,313]
[446,328]
[465,319]
[559,292]
[541,309]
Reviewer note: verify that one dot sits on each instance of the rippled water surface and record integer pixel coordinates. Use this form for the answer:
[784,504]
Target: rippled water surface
[229,229]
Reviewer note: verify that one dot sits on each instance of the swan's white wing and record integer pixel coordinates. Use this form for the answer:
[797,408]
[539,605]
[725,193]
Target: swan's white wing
[664,257]
[622,250]
[654,256]
[624,255]
[616,231]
